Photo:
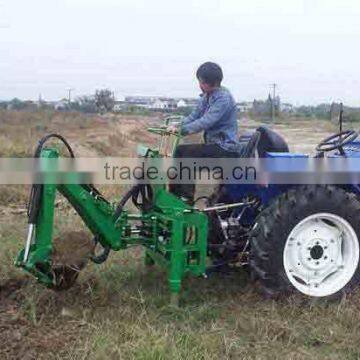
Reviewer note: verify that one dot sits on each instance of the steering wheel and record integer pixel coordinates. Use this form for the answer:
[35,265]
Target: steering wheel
[337,141]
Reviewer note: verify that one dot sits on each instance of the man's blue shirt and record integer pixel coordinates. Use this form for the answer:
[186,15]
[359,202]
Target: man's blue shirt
[216,115]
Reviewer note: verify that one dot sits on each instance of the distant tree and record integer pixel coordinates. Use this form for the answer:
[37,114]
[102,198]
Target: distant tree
[85,104]
[261,107]
[17,104]
[353,116]
[104,100]
[321,111]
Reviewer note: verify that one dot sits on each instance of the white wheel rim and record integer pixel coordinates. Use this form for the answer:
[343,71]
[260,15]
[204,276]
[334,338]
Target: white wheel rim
[321,254]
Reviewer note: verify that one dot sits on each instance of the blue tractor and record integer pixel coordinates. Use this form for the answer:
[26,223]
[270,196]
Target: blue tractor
[292,238]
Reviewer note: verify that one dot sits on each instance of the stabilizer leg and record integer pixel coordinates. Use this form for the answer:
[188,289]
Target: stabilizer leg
[177,261]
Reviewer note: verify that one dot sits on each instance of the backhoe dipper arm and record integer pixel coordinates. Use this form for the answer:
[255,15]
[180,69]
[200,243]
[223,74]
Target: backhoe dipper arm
[96,212]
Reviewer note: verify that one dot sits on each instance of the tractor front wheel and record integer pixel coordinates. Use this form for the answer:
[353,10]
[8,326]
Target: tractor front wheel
[307,241]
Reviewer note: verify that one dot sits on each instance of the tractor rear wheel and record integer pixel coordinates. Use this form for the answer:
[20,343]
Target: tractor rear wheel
[307,241]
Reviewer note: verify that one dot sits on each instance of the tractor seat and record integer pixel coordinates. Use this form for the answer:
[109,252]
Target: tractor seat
[263,140]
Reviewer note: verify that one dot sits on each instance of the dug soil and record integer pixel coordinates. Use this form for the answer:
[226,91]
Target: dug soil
[71,252]
[72,249]
[24,332]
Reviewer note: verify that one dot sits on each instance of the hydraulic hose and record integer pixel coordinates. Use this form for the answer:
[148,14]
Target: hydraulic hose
[34,202]
[98,259]
[43,140]
[129,194]
[134,193]
[142,198]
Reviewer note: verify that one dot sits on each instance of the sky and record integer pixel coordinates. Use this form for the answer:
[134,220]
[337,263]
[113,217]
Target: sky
[309,48]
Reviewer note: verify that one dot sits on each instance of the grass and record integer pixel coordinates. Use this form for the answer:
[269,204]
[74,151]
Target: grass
[120,309]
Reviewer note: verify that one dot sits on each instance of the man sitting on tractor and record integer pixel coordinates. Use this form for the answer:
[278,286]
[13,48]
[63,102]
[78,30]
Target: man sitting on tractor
[216,115]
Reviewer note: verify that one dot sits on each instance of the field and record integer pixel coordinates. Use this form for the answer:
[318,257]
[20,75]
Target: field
[118,310]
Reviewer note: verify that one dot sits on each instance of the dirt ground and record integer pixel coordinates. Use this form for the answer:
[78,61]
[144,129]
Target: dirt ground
[119,310]
[26,338]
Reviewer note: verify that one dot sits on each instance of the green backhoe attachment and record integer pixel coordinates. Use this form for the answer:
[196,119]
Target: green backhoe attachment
[173,234]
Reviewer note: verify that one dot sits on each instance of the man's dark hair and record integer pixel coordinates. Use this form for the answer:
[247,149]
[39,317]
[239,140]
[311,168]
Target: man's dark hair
[210,73]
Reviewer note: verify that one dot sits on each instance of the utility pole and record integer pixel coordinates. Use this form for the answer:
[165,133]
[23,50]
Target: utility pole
[273,87]
[40,101]
[69,95]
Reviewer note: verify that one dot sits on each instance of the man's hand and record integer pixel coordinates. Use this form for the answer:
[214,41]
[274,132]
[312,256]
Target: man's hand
[173,129]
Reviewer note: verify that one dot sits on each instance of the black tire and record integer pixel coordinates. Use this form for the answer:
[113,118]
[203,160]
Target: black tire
[275,223]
